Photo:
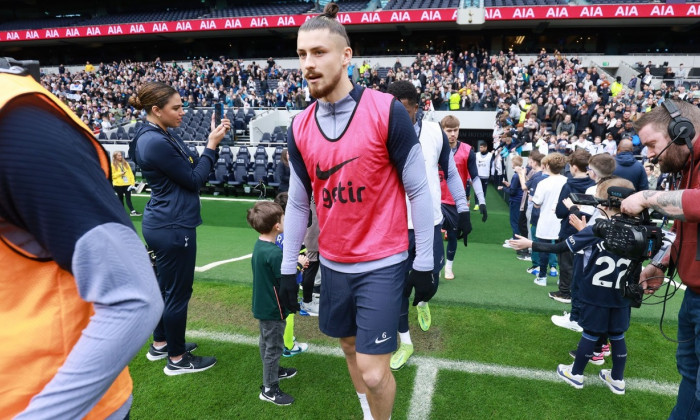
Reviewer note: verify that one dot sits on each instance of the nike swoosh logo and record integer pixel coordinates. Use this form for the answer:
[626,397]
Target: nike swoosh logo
[324,175]
[378,341]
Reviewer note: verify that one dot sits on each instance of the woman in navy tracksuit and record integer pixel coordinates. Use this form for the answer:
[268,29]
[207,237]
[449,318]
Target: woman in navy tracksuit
[175,176]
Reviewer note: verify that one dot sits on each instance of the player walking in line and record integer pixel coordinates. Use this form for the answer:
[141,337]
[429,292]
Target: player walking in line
[356,151]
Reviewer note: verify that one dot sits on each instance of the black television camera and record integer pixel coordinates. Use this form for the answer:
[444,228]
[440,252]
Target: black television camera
[634,238]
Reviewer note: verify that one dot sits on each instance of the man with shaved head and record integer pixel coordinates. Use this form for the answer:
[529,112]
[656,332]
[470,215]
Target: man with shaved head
[629,167]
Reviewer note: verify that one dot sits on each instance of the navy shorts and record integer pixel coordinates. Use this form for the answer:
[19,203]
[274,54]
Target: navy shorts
[451,221]
[363,305]
[599,320]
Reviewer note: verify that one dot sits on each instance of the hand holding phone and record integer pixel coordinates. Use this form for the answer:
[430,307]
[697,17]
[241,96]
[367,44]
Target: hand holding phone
[218,113]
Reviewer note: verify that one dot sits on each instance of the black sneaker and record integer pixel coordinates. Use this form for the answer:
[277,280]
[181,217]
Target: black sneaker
[285,373]
[189,364]
[275,396]
[155,354]
[560,297]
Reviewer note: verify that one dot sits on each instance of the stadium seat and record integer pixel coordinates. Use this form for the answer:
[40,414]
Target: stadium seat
[277,154]
[261,153]
[244,154]
[227,155]
[280,138]
[121,133]
[239,175]
[260,171]
[249,115]
[239,126]
[219,176]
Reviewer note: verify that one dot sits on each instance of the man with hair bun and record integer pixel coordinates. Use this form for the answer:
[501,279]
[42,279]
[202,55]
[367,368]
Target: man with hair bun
[356,151]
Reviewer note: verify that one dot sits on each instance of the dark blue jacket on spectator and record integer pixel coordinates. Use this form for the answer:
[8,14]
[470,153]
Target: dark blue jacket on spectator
[174,175]
[515,191]
[630,168]
[573,185]
[531,187]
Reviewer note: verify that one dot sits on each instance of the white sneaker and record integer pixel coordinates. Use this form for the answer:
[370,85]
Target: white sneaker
[617,387]
[298,348]
[565,321]
[506,244]
[310,308]
[564,372]
[449,275]
[541,281]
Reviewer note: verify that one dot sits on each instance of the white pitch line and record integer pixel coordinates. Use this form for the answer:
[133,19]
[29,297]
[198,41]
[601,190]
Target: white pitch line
[423,390]
[218,263]
[428,368]
[675,283]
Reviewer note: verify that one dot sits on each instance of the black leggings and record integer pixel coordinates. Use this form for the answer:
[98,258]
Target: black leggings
[308,279]
[123,190]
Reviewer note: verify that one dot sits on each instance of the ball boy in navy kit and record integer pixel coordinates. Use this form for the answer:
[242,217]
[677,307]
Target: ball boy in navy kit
[603,309]
[268,219]
[356,151]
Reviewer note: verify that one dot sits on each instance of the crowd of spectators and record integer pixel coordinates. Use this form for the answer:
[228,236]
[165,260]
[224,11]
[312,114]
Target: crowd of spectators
[99,93]
[548,98]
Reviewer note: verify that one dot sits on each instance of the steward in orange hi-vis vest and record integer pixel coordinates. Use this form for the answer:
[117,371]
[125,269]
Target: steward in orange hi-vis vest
[46,312]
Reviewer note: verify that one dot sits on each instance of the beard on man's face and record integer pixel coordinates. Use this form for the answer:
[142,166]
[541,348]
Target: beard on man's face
[674,159]
[323,89]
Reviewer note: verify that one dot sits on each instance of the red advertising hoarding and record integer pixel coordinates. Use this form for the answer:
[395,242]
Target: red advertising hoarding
[622,11]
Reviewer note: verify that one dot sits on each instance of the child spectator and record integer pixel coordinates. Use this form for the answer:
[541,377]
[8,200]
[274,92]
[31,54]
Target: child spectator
[291,347]
[267,218]
[603,309]
[537,175]
[515,192]
[545,198]
[578,183]
[600,169]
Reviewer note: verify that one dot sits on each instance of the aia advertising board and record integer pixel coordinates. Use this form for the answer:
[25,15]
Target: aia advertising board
[359,18]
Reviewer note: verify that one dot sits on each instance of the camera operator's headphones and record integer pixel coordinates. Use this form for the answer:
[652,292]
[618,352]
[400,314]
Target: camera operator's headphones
[680,129]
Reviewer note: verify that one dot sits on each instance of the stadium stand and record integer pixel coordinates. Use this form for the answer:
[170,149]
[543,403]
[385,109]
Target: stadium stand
[261,9]
[421,4]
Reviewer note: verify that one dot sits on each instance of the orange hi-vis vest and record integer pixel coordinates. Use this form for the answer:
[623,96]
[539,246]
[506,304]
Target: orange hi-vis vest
[39,301]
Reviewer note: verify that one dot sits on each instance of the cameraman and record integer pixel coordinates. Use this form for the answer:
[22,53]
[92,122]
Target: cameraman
[79,297]
[683,206]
